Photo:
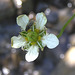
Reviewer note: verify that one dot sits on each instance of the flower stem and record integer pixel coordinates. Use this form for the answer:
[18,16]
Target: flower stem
[63,28]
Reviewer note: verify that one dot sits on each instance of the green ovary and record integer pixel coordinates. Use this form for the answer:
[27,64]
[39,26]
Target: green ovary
[32,36]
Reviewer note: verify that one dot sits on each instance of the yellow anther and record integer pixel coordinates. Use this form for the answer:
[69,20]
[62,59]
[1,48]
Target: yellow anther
[11,43]
[26,38]
[36,30]
[33,43]
[29,30]
[39,38]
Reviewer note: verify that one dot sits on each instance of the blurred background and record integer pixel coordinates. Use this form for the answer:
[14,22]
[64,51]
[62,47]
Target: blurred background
[58,61]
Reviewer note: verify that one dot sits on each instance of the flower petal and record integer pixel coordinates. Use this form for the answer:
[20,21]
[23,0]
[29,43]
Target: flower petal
[22,21]
[32,53]
[17,42]
[40,21]
[50,40]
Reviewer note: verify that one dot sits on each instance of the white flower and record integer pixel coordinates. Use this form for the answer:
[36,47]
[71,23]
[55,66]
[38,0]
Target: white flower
[34,38]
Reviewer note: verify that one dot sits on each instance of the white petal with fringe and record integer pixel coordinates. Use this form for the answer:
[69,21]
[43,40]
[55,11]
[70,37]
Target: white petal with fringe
[22,21]
[17,42]
[50,40]
[40,21]
[32,53]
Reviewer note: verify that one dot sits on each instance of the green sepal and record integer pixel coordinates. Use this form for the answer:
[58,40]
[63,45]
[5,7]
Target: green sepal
[39,43]
[42,33]
[23,33]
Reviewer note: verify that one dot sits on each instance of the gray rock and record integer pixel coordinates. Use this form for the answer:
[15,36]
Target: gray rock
[63,69]
[67,65]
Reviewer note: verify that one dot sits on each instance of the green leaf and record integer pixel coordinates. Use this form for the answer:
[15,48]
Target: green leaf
[62,30]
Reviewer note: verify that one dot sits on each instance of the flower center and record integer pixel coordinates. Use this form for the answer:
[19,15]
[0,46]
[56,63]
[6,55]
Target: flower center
[32,36]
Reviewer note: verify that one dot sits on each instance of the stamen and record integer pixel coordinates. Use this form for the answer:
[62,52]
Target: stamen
[41,33]
[36,30]
[29,30]
[39,38]
[33,43]
[26,38]
[40,45]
